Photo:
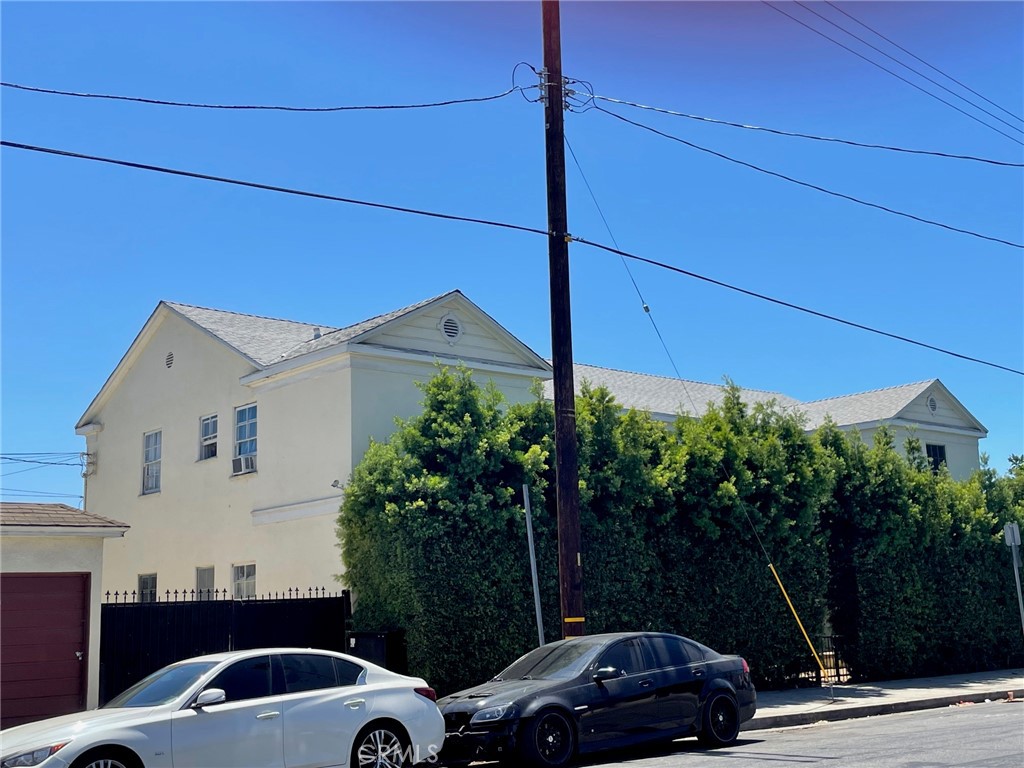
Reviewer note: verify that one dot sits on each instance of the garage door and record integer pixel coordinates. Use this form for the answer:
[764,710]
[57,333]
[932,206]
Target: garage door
[44,625]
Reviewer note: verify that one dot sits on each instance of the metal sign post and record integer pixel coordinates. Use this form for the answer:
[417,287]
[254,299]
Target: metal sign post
[1011,533]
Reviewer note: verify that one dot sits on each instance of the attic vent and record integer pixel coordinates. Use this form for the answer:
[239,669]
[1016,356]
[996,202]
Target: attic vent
[933,404]
[316,333]
[170,359]
[451,328]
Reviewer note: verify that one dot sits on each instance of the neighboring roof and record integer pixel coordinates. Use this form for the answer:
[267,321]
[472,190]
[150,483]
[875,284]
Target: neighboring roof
[32,515]
[863,407]
[666,397]
[662,395]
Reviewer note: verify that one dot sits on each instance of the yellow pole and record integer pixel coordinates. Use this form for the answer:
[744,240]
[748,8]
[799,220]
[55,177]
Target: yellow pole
[795,616]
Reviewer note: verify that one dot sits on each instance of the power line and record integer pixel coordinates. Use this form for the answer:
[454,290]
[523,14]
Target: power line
[798,135]
[907,66]
[643,302]
[516,227]
[809,185]
[894,74]
[930,66]
[242,107]
[40,494]
[797,307]
[270,187]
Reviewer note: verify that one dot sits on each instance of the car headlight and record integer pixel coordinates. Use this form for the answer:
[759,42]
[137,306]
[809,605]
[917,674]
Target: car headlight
[493,714]
[33,757]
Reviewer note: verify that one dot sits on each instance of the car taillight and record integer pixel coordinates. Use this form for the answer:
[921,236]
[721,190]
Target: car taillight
[746,667]
[428,693]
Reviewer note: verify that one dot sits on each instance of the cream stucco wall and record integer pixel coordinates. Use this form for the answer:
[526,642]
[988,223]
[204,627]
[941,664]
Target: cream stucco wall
[961,450]
[20,553]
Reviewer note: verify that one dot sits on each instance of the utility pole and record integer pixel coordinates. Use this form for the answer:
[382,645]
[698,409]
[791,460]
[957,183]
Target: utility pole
[570,565]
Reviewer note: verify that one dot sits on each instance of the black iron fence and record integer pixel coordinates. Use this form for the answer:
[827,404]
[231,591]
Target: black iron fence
[137,638]
[830,651]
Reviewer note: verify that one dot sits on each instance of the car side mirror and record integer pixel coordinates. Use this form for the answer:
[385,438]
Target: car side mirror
[210,696]
[606,673]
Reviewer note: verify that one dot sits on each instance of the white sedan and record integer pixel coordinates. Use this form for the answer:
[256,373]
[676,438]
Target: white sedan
[266,708]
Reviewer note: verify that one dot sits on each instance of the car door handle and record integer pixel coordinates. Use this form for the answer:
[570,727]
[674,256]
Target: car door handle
[355,703]
[267,715]
[698,673]
[646,683]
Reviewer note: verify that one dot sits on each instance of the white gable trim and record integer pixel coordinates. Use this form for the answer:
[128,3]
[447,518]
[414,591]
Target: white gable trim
[937,385]
[911,425]
[458,299]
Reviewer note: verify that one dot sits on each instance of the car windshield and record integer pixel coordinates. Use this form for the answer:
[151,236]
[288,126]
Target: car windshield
[162,686]
[557,661]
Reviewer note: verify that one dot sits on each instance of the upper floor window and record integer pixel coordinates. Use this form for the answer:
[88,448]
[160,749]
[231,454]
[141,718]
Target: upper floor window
[151,442]
[936,455]
[147,587]
[245,440]
[243,581]
[208,437]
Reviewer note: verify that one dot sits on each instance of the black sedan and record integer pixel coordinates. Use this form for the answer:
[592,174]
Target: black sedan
[598,692]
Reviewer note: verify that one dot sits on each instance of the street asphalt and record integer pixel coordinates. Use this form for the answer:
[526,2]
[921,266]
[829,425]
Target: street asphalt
[803,706]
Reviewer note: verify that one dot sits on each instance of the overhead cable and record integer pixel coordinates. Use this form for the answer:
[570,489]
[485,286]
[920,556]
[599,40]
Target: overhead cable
[790,305]
[894,74]
[193,105]
[808,184]
[795,134]
[516,227]
[643,302]
[930,66]
[936,83]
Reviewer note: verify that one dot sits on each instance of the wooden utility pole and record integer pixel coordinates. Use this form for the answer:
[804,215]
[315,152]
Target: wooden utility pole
[570,566]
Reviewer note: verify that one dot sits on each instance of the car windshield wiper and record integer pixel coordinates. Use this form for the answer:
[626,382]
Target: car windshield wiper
[526,677]
[496,679]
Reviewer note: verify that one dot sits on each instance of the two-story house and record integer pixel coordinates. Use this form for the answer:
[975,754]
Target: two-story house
[223,440]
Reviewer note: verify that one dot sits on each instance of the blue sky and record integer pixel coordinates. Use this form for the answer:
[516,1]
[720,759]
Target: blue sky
[88,250]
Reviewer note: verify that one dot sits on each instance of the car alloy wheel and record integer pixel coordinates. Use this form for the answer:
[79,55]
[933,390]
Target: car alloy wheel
[380,747]
[550,739]
[103,762]
[721,720]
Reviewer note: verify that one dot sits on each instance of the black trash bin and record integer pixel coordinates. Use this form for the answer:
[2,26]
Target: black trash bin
[385,648]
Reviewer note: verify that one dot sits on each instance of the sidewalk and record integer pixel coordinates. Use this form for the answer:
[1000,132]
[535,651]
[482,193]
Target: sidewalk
[804,706]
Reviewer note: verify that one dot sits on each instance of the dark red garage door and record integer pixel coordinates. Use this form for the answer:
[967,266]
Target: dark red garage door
[44,632]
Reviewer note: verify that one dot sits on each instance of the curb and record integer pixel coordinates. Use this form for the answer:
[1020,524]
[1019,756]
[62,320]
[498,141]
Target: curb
[870,710]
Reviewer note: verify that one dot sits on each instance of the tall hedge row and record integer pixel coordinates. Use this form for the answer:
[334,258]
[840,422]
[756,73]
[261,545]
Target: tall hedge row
[679,523]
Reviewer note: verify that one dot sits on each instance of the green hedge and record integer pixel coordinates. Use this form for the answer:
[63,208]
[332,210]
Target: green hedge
[678,523]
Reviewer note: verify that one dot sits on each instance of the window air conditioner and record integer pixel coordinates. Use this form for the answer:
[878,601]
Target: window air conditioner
[242,464]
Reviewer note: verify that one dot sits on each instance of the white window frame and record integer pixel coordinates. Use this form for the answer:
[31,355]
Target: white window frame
[152,450]
[243,581]
[208,592]
[147,594]
[208,437]
[246,427]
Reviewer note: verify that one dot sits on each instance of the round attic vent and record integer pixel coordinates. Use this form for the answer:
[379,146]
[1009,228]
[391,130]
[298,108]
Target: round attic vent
[170,359]
[933,404]
[451,328]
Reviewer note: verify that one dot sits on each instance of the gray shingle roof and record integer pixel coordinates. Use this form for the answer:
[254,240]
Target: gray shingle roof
[662,395]
[52,516]
[863,407]
[266,340]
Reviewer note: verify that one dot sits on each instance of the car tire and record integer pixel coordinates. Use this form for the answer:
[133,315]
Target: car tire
[381,744]
[548,739]
[107,758]
[720,720]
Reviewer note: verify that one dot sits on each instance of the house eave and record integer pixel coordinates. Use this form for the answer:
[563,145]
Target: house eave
[49,531]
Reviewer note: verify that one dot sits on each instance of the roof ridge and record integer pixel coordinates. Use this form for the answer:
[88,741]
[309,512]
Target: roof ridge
[870,391]
[249,314]
[680,379]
